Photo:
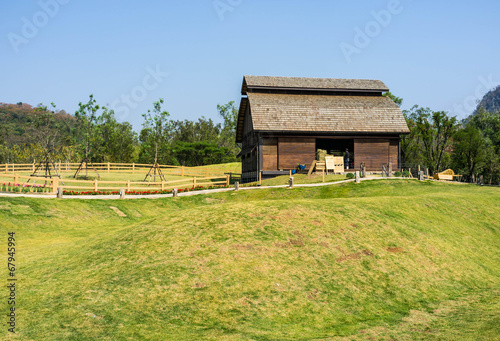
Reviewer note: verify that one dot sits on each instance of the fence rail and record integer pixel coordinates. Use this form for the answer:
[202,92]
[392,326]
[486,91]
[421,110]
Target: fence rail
[109,167]
[29,183]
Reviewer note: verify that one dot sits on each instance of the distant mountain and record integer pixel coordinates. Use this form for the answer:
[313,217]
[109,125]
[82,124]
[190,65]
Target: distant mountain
[490,101]
[16,122]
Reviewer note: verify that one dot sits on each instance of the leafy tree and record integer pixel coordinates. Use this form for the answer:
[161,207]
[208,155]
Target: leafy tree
[396,99]
[117,141]
[190,131]
[487,124]
[86,133]
[155,135]
[46,130]
[200,153]
[430,137]
[469,154]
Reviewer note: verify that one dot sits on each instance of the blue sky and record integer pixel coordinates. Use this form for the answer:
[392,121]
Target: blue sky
[439,54]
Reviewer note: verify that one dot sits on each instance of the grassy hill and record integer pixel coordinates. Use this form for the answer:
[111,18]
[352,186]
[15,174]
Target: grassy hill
[380,260]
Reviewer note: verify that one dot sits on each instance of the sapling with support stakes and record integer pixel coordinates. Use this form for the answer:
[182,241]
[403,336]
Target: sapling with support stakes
[157,124]
[86,117]
[46,134]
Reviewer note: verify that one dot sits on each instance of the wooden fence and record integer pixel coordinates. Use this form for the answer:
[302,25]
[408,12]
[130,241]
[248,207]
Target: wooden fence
[108,167]
[30,183]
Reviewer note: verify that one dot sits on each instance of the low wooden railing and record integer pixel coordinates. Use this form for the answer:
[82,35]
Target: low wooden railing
[97,185]
[109,167]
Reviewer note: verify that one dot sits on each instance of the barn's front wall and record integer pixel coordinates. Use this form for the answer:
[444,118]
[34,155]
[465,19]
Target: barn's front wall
[285,153]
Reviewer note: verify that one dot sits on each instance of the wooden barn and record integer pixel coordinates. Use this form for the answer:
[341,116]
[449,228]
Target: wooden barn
[283,121]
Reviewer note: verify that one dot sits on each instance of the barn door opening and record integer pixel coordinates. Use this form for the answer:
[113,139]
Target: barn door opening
[338,147]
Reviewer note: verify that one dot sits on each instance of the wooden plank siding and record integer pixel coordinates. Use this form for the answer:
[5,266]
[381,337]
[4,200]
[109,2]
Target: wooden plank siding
[270,154]
[394,153]
[292,151]
[375,152]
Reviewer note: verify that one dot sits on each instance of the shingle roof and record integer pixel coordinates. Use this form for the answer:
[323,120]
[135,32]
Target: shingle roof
[322,113]
[312,83]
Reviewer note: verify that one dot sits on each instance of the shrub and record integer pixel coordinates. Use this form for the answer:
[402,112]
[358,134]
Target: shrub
[398,174]
[406,174]
[350,176]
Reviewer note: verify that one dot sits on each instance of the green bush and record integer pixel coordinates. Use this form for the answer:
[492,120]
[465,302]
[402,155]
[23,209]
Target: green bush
[350,176]
[406,174]
[397,174]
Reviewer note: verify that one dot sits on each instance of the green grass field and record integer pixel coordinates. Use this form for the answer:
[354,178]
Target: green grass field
[380,260]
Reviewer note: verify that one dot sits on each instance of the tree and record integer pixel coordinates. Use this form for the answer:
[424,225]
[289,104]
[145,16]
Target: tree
[469,156]
[46,131]
[200,153]
[396,99]
[117,141]
[488,124]
[430,136]
[87,137]
[155,135]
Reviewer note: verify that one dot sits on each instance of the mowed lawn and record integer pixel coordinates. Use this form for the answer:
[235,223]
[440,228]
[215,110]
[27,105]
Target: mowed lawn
[380,260]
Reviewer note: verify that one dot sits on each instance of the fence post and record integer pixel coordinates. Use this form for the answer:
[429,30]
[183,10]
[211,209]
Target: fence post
[108,167]
[236,186]
[194,181]
[323,172]
[6,168]
[128,185]
[55,184]
[133,168]
[227,180]
[207,172]
[16,178]
[95,185]
[162,186]
[33,167]
[182,170]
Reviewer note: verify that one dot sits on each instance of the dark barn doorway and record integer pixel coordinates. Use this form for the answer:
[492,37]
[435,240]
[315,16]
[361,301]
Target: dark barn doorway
[337,147]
